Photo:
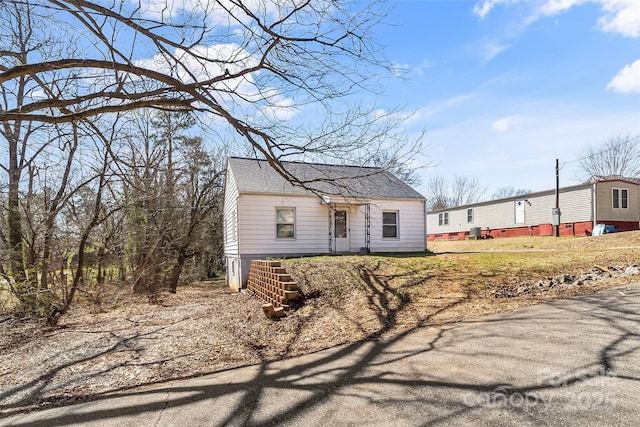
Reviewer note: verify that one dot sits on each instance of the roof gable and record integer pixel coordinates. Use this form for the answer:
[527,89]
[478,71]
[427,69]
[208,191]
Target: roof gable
[256,176]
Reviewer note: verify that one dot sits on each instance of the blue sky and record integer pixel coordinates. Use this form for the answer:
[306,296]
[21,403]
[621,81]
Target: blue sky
[501,87]
[505,87]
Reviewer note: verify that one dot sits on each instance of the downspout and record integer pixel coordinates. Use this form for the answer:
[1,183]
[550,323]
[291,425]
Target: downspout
[367,227]
[237,233]
[424,221]
[594,204]
[330,230]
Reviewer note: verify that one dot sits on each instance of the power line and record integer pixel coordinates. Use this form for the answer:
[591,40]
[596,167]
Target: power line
[628,141]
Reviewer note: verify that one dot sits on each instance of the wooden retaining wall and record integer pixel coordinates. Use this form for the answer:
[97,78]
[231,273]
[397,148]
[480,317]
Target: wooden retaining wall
[270,281]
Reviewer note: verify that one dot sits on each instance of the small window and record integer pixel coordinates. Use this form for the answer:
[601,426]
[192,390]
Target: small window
[390,224]
[620,198]
[443,218]
[470,215]
[285,223]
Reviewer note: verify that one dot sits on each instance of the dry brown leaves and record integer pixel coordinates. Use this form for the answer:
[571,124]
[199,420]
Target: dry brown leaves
[128,343]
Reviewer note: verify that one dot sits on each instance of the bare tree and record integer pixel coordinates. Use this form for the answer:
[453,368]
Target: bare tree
[508,191]
[467,190]
[22,40]
[278,76]
[461,191]
[253,66]
[438,196]
[172,192]
[200,193]
[41,164]
[617,157]
[95,214]
[397,166]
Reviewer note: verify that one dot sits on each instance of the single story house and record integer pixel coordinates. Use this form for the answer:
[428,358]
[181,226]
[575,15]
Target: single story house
[352,209]
[612,201]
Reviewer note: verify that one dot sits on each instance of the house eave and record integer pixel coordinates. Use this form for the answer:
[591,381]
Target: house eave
[333,198]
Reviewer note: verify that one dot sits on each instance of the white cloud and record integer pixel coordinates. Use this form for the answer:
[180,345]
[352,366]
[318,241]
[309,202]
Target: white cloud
[486,48]
[492,49]
[203,62]
[38,94]
[506,123]
[400,70]
[244,94]
[423,66]
[627,80]
[620,16]
[221,12]
[163,9]
[500,79]
[433,109]
[524,157]
[482,8]
[553,7]
[623,17]
[280,108]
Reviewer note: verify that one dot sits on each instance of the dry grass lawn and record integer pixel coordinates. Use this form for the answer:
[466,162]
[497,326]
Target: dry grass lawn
[128,343]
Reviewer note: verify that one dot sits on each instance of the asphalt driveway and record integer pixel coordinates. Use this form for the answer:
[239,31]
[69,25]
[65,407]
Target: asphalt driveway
[571,362]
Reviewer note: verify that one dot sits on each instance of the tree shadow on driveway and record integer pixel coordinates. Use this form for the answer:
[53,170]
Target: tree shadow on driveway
[572,361]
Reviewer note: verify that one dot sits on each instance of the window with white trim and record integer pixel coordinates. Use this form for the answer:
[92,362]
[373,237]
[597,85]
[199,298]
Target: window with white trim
[389,224]
[285,223]
[470,216]
[443,218]
[620,198]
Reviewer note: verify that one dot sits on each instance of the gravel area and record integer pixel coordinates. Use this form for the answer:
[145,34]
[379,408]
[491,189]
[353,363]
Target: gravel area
[127,342]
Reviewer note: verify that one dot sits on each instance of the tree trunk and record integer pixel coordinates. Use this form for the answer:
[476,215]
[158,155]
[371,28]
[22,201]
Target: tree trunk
[46,255]
[175,273]
[15,245]
[100,255]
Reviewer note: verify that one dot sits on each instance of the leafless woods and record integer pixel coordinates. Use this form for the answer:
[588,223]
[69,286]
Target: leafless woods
[117,116]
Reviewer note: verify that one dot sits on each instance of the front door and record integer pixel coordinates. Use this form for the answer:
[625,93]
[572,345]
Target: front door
[341,230]
[519,211]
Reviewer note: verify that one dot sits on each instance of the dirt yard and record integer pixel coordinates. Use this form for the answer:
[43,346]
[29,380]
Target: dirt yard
[204,327]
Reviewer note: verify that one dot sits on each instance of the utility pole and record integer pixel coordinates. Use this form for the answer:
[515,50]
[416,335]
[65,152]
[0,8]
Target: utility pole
[556,211]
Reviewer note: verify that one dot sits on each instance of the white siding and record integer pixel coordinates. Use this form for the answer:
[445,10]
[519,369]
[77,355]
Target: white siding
[575,206]
[258,230]
[230,215]
[230,232]
[250,230]
[357,228]
[257,224]
[411,226]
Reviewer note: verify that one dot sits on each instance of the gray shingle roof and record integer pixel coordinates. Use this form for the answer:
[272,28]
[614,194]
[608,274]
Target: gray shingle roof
[256,176]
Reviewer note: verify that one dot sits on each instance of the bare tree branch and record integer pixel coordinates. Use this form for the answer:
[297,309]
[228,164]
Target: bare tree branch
[306,52]
[461,191]
[618,157]
[508,191]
